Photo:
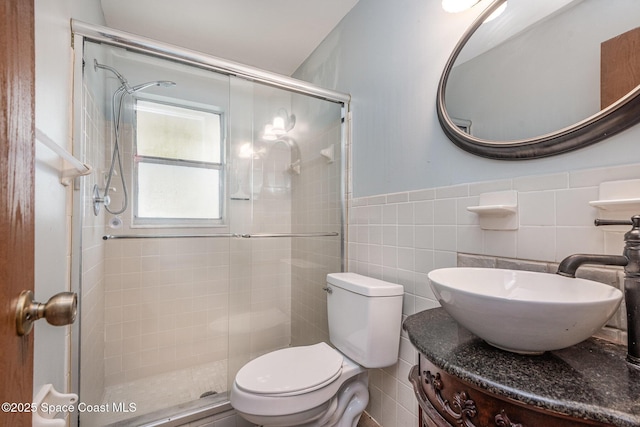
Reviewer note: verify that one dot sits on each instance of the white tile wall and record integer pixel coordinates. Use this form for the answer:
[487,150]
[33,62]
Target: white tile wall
[401,237]
[92,306]
[166,305]
[316,208]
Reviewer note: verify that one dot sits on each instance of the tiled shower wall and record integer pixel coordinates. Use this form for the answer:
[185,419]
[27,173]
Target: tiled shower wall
[92,365]
[166,305]
[316,208]
[401,237]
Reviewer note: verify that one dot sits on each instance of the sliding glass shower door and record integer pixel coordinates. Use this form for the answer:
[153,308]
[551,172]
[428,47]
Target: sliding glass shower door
[213,215]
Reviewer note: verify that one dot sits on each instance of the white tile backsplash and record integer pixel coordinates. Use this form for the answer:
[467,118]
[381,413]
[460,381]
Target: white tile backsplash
[572,206]
[426,194]
[445,212]
[537,208]
[536,242]
[555,220]
[445,237]
[500,243]
[406,236]
[541,182]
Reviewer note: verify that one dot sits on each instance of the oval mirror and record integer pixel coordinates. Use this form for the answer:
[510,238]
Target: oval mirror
[543,78]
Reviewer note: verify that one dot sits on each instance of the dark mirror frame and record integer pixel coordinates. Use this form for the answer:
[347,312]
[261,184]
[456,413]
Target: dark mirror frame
[617,117]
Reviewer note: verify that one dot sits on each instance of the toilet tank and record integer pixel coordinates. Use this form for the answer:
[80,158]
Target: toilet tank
[365,317]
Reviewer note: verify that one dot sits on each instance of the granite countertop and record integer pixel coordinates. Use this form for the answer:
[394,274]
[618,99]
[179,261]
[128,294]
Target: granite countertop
[590,380]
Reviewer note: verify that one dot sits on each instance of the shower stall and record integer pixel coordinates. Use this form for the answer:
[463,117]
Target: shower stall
[202,239]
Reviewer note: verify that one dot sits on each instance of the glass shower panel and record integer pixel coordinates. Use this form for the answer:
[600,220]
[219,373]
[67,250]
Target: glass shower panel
[260,273]
[285,186]
[317,205]
[154,310]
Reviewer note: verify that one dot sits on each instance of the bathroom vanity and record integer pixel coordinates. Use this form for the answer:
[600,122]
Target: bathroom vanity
[462,381]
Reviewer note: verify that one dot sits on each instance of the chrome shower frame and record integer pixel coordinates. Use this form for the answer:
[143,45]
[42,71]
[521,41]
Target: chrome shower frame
[82,31]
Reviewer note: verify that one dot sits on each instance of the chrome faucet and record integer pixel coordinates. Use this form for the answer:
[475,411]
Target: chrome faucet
[630,259]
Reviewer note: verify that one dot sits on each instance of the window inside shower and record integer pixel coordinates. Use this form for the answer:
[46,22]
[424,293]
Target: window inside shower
[217,237]
[178,177]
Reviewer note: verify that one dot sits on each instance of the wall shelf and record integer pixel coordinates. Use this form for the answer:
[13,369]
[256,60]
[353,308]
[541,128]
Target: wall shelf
[618,196]
[493,210]
[617,204]
[497,210]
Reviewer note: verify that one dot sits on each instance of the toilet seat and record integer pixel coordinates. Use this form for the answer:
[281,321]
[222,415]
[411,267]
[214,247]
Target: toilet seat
[291,371]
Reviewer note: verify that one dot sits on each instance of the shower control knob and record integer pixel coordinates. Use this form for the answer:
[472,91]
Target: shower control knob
[60,310]
[99,200]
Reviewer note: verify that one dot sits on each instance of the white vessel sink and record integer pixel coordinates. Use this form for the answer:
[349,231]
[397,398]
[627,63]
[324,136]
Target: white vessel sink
[524,312]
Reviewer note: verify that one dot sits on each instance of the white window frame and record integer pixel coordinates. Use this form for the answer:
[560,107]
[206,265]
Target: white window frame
[157,222]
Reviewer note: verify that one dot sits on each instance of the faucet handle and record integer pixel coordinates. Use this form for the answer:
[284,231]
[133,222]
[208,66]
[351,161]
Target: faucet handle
[635,221]
[600,221]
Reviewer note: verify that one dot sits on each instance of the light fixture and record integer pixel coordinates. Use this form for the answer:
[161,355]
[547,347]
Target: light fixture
[455,6]
[282,123]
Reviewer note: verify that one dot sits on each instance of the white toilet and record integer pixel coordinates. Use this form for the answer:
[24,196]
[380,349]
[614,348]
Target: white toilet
[318,385]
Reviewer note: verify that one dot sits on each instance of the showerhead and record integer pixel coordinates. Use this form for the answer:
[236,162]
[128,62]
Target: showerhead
[142,86]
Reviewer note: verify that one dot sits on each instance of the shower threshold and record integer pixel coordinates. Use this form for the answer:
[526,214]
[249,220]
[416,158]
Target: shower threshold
[166,396]
[181,414]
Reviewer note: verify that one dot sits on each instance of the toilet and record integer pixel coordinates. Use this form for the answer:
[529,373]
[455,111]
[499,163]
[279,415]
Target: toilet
[319,385]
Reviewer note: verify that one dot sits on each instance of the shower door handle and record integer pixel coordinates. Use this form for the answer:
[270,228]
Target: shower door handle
[60,310]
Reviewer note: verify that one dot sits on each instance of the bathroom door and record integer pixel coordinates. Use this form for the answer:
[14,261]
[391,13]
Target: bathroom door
[16,200]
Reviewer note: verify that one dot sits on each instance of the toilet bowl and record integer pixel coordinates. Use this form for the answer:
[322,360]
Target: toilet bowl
[300,386]
[319,385]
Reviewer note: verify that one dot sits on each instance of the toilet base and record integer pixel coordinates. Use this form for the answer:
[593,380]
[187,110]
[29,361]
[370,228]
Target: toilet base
[341,410]
[306,418]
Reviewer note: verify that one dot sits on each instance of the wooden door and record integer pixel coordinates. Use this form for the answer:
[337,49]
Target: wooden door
[17,60]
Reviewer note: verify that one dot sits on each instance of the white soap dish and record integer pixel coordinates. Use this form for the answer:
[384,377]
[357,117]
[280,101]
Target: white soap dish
[618,196]
[616,204]
[497,210]
[494,210]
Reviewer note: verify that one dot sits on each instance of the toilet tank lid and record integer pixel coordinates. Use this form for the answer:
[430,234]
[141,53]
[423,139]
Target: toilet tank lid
[364,285]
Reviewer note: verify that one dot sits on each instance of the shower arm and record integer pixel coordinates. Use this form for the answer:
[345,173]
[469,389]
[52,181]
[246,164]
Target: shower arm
[123,81]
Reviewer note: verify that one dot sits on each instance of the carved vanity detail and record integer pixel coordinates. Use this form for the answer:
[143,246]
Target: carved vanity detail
[446,401]
[460,381]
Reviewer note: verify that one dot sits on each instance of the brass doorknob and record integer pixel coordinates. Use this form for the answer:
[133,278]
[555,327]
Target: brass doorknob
[60,310]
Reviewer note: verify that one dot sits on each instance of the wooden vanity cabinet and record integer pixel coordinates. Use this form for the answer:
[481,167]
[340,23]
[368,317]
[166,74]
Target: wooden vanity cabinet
[447,401]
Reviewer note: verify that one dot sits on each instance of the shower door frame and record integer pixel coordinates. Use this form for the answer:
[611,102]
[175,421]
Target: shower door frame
[82,32]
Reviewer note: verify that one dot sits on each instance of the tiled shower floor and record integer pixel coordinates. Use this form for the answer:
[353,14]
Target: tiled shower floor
[165,390]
